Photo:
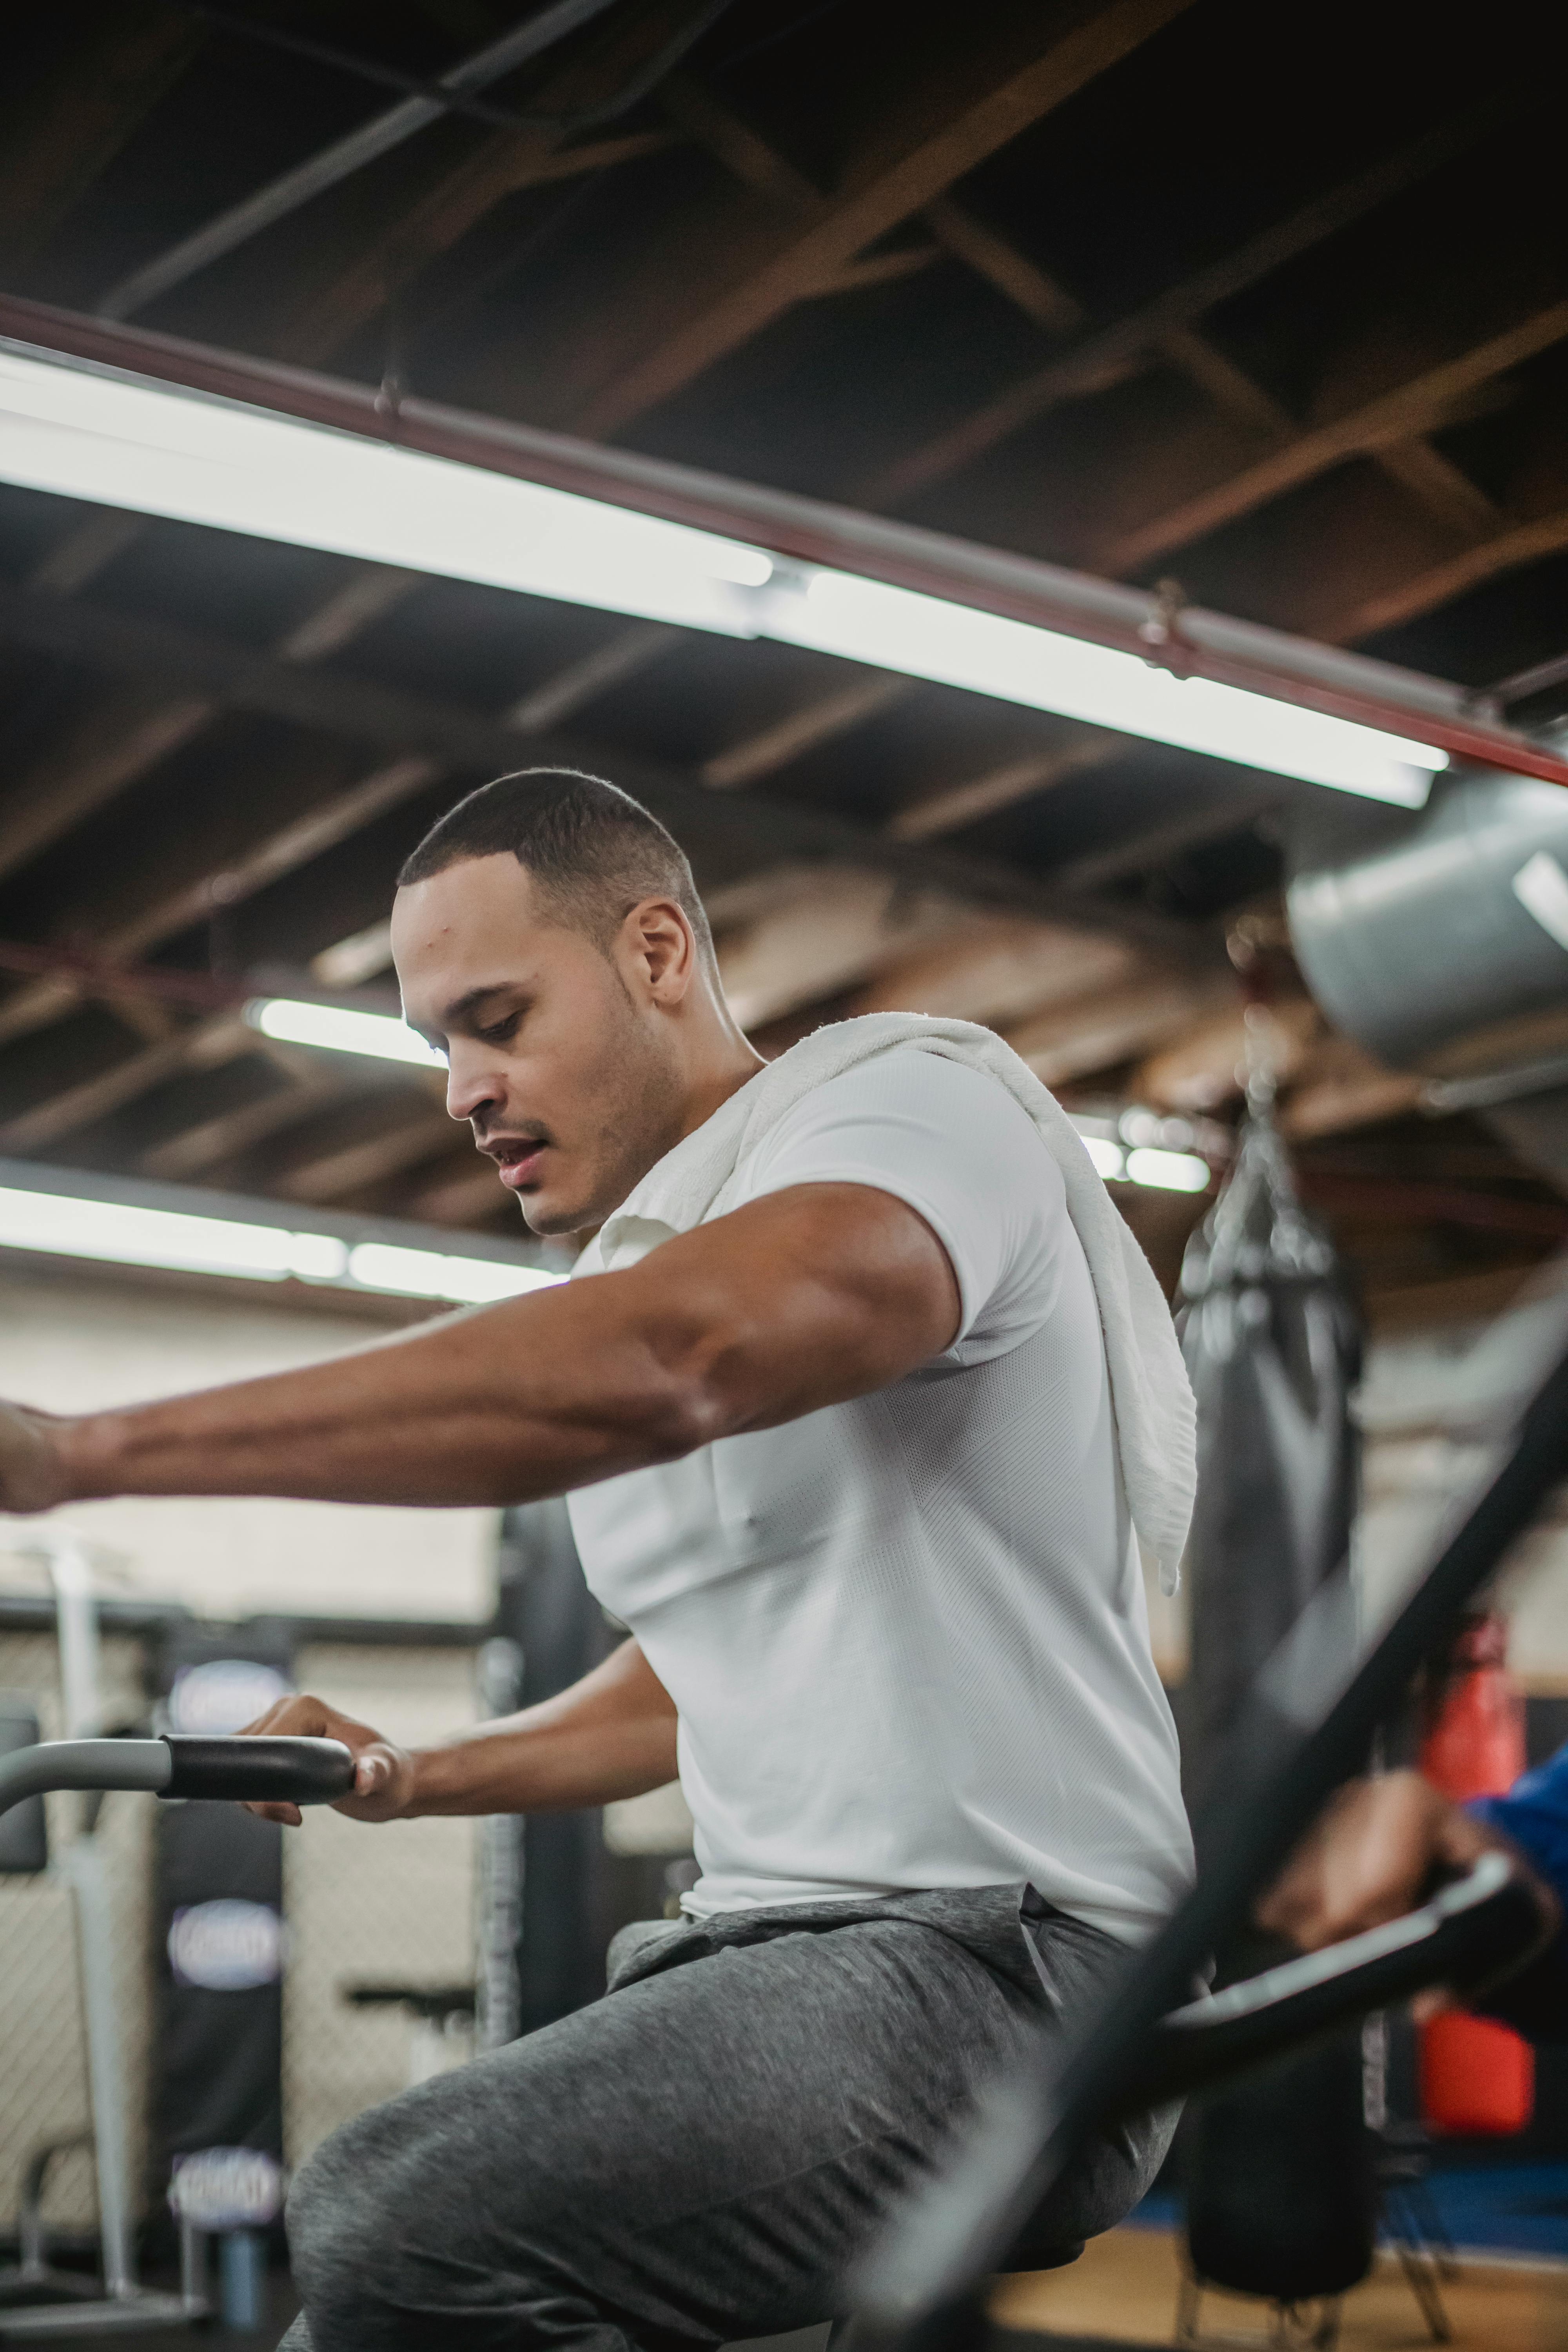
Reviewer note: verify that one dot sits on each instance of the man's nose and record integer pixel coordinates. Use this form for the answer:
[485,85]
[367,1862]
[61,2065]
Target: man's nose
[472,1081]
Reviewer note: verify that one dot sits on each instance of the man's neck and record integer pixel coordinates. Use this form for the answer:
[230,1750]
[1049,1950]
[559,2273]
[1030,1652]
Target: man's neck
[722,1075]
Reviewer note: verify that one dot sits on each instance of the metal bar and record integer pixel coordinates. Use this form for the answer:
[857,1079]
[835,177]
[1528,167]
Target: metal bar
[1202,644]
[1307,1727]
[351,153]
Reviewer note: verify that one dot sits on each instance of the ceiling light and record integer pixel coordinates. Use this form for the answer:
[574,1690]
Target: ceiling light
[428,1274]
[840,613]
[116,1232]
[338,1029]
[1110,1161]
[91,432]
[128,1232]
[85,431]
[1170,1172]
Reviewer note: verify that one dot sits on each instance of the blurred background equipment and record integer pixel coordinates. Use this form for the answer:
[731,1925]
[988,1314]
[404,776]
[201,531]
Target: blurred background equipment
[1476,2077]
[1277,2173]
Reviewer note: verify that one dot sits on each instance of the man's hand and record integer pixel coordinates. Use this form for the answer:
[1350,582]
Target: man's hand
[1369,1858]
[384,1772]
[32,1474]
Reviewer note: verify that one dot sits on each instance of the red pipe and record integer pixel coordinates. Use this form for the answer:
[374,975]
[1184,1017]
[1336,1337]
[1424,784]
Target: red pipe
[810,530]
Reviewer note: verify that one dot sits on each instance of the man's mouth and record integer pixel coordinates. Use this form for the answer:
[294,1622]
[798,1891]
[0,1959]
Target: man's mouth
[516,1158]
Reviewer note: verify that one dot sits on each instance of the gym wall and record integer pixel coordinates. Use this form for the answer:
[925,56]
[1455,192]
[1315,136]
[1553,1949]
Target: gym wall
[390,1904]
[76,1342]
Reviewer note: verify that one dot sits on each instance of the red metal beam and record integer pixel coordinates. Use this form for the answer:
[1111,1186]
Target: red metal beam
[1193,642]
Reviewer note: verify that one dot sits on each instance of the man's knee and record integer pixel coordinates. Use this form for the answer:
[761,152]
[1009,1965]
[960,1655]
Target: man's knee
[343,2235]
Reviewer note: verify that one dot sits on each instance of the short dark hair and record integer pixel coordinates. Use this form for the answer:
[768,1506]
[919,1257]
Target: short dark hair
[593,849]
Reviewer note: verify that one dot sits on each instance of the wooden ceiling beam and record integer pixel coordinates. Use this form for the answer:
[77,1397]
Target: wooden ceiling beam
[354,287]
[1075,1038]
[840,927]
[78,122]
[1507,550]
[819,721]
[998,969]
[426,740]
[399,1137]
[1415,406]
[205,1045]
[467,1196]
[954,806]
[911,158]
[1437,485]
[1106,355]
[1134,852]
[125,733]
[560,697]
[196,1150]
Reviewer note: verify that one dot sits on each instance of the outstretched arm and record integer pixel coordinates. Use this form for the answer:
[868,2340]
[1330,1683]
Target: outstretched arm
[796,1301]
[611,1735]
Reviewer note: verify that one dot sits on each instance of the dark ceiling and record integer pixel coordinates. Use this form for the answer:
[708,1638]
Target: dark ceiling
[1274,305]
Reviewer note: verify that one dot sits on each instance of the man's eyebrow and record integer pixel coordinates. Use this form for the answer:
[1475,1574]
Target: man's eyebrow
[455,1014]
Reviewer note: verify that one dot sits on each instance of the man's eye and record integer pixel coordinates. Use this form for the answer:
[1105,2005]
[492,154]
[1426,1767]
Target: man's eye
[500,1031]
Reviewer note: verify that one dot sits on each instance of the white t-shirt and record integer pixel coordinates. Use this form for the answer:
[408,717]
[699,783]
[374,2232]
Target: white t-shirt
[906,1635]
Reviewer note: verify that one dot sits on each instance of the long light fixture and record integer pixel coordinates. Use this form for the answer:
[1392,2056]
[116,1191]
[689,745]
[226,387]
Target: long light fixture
[86,431]
[101,1230]
[342,1029]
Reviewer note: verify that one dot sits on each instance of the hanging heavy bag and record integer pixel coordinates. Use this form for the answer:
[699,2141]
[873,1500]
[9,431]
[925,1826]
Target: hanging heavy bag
[1477,2078]
[1280,2192]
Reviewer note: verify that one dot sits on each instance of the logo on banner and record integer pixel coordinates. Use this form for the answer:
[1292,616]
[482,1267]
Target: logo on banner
[227,1946]
[224,1696]
[226,2188]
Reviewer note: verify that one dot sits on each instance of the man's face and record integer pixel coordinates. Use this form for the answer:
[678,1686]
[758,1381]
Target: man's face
[560,1057]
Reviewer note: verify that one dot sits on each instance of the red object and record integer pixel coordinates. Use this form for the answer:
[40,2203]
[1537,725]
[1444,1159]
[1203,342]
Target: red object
[1478,2079]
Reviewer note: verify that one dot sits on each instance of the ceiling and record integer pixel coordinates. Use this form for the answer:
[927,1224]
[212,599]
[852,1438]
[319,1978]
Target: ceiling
[1156,288]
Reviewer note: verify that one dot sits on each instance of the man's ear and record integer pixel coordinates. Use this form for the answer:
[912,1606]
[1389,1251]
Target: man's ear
[658,939]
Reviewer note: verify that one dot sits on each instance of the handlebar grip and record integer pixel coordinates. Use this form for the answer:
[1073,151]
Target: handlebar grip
[1471,1935]
[259,1771]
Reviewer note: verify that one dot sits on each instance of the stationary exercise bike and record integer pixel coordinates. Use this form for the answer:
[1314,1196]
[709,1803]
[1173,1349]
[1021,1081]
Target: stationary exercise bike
[179,1765]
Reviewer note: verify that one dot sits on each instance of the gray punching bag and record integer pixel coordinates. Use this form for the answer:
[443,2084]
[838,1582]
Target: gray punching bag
[1280,2200]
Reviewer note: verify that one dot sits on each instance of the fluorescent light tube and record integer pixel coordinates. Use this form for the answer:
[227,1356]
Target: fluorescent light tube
[1110,1161]
[427,1274]
[1542,888]
[1170,1172]
[118,1233]
[928,636]
[340,1030]
[93,434]
[85,432]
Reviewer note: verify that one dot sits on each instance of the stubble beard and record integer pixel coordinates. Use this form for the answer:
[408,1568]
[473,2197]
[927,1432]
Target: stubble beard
[637,1094]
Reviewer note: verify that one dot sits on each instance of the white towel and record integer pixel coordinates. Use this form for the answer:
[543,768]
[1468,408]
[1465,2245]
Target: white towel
[1150,1395]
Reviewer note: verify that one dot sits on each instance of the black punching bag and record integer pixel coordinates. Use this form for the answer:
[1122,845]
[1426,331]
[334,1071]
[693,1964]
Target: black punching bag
[1281,2197]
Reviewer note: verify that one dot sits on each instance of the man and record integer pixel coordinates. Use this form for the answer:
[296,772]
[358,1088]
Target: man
[1377,1846]
[858,1414]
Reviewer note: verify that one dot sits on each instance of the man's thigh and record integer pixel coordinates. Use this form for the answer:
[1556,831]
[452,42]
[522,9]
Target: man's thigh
[703,2152]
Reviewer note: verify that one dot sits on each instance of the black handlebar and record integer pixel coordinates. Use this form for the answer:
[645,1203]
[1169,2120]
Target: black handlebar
[258,1769]
[1482,1928]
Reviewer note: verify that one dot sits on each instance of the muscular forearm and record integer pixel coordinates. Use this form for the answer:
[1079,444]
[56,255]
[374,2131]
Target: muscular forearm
[501,1405]
[612,1735]
[789,1303]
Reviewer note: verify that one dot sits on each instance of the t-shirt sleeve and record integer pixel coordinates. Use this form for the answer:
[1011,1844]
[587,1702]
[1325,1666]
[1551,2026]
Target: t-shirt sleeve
[954,1143]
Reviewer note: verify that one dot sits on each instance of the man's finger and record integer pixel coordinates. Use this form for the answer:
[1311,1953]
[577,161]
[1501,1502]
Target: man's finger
[289,1815]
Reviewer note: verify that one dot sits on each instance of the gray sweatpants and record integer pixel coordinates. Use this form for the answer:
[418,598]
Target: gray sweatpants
[701,2155]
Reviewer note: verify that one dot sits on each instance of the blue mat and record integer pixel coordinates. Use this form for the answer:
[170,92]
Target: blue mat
[1515,2208]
